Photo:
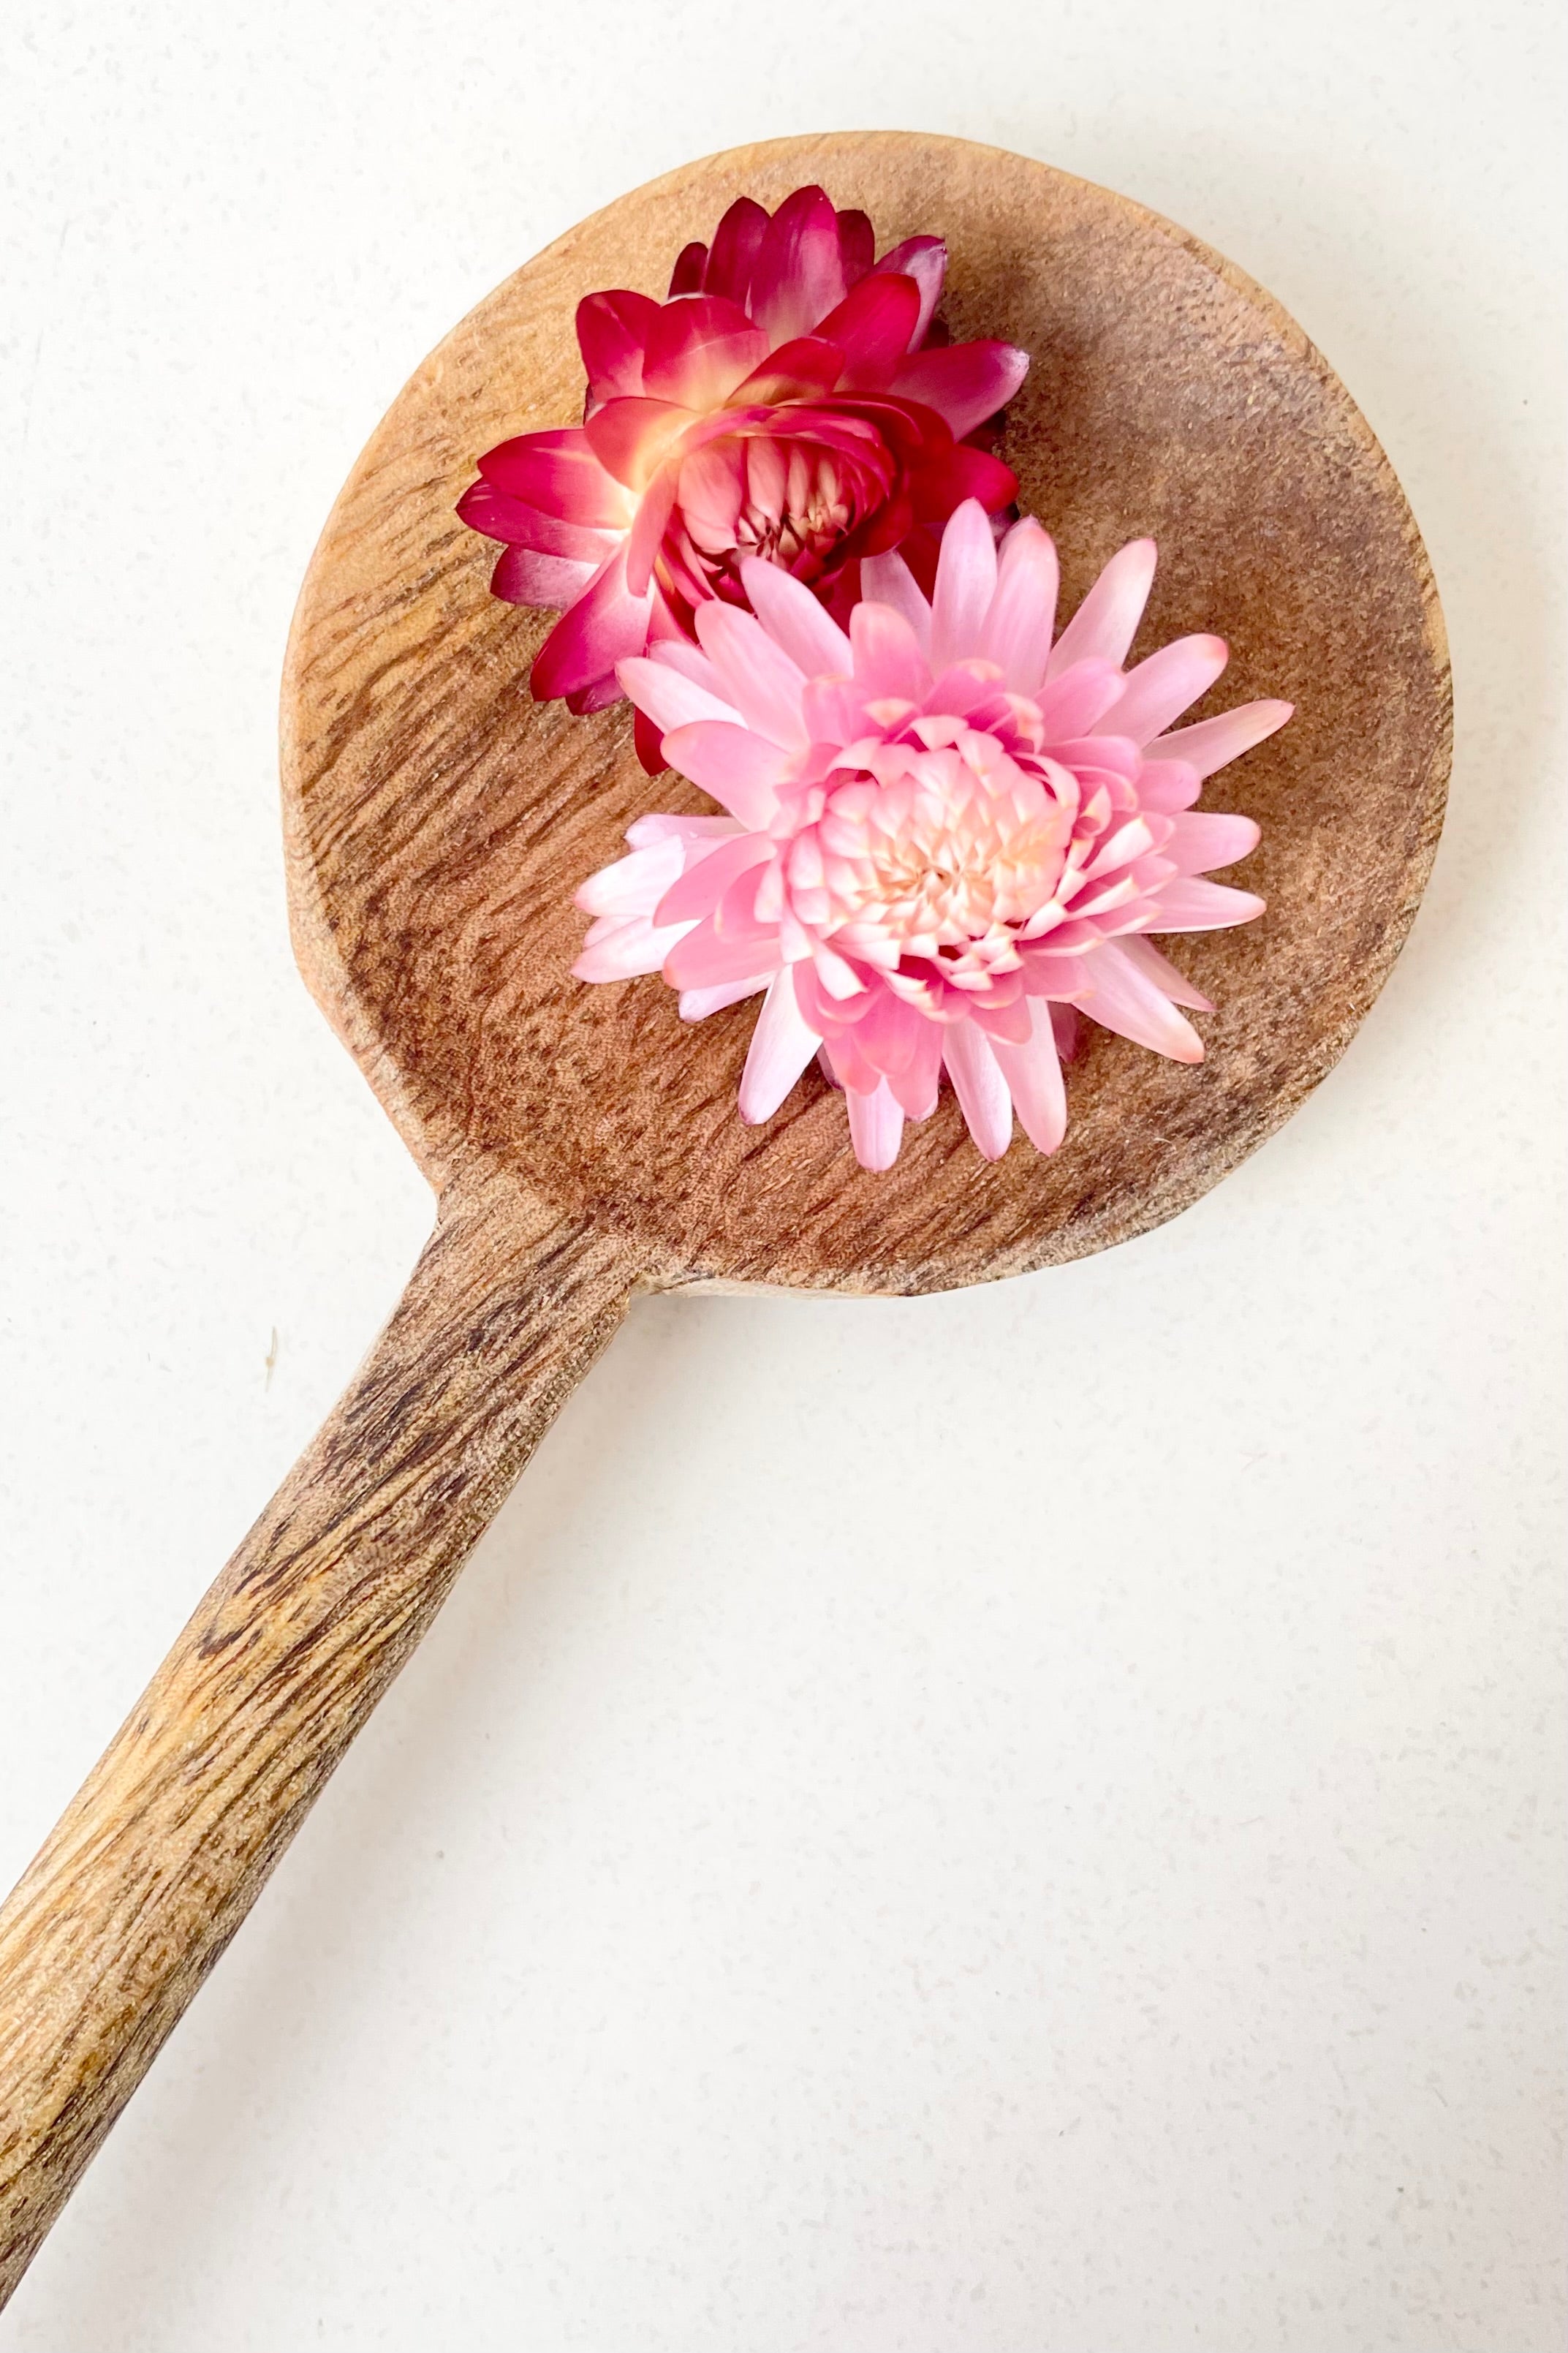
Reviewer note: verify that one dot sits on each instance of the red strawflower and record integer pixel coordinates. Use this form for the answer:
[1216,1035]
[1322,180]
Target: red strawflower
[789,401]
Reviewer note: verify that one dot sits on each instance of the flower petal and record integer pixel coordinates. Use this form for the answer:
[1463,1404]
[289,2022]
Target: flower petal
[524,576]
[876,1126]
[1033,1076]
[1212,743]
[1106,621]
[1204,838]
[1141,951]
[500,516]
[923,258]
[669,699]
[699,350]
[561,473]
[965,584]
[872,327]
[697,1003]
[783,1043]
[1017,635]
[964,383]
[887,580]
[607,625]
[737,242]
[612,331]
[981,1089]
[799,272]
[631,439]
[889,665]
[1159,689]
[1122,996]
[758,676]
[1189,905]
[795,620]
[737,768]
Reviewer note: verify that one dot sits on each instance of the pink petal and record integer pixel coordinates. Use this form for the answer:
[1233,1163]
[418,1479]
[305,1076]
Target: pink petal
[799,272]
[669,699]
[1017,632]
[964,383]
[612,330]
[795,620]
[1168,786]
[737,768]
[737,242]
[624,951]
[981,1089]
[524,576]
[757,675]
[783,1043]
[704,959]
[697,1003]
[965,584]
[1106,621]
[889,665]
[1141,952]
[698,892]
[887,580]
[872,327]
[923,258]
[1122,996]
[1203,839]
[1159,689]
[1072,704]
[561,473]
[634,885]
[1034,1076]
[876,1126]
[699,350]
[1213,742]
[605,626]
[1188,905]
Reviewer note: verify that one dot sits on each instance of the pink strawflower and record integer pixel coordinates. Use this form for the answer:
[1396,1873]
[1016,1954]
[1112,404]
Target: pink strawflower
[788,402]
[945,834]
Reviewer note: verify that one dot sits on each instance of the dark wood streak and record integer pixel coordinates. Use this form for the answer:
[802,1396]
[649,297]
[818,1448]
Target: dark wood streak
[585,1141]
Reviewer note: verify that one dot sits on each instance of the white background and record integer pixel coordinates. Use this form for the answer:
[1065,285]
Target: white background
[1023,1822]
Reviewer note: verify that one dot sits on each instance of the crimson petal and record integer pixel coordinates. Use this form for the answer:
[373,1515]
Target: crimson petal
[612,331]
[799,272]
[607,625]
[965,384]
[560,472]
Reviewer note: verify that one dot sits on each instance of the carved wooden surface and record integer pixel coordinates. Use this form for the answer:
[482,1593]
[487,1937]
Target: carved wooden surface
[583,1142]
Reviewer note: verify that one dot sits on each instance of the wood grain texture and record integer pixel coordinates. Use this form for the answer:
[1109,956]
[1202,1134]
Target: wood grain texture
[440,821]
[111,1933]
[582,1141]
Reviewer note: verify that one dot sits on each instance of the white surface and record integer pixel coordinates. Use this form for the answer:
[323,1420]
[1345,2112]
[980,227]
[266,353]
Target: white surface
[1020,1823]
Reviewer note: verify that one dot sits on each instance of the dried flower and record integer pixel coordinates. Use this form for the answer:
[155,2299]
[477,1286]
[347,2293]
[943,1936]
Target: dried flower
[945,834]
[788,403]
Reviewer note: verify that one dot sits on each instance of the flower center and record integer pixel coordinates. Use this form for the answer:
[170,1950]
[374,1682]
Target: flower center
[943,860]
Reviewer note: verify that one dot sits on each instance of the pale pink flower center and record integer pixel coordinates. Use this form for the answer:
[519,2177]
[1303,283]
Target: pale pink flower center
[947,859]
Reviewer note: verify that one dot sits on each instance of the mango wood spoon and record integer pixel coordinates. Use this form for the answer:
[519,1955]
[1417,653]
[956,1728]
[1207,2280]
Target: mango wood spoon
[583,1142]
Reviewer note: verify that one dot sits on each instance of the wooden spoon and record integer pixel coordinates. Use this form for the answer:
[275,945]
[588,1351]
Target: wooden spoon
[583,1142]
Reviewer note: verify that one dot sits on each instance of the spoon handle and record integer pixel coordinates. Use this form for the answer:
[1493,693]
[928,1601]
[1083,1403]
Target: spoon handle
[161,1853]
